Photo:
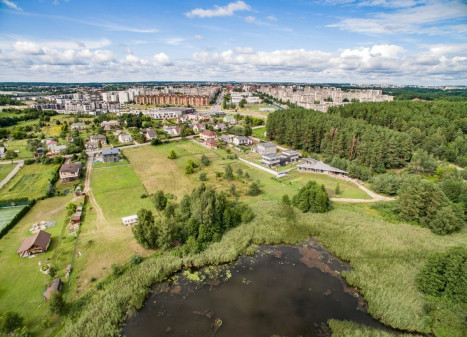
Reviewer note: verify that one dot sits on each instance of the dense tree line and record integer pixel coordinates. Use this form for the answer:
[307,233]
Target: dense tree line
[24,115]
[429,94]
[8,100]
[373,146]
[200,218]
[438,127]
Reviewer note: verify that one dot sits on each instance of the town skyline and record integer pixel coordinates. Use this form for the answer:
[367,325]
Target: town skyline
[335,41]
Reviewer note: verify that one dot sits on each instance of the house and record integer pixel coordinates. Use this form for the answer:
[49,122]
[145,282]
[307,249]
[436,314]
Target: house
[40,151]
[149,134]
[212,143]
[36,244]
[229,119]
[265,148]
[226,139]
[54,148]
[70,172]
[315,166]
[271,159]
[110,124]
[220,127]
[2,152]
[56,286]
[198,127]
[96,138]
[130,220]
[69,139]
[78,126]
[110,155]
[172,130]
[241,140]
[125,138]
[289,156]
[208,134]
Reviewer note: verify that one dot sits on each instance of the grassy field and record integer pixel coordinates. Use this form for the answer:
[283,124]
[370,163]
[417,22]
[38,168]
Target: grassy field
[21,282]
[5,169]
[259,133]
[100,164]
[32,181]
[8,213]
[19,145]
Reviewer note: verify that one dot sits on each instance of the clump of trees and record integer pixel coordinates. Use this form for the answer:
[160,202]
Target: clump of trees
[200,218]
[386,183]
[11,324]
[312,198]
[445,275]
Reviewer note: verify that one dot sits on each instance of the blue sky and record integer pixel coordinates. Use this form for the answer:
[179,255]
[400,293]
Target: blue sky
[368,41]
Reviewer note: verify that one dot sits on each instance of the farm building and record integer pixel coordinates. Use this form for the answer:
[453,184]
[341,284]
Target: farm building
[55,286]
[35,244]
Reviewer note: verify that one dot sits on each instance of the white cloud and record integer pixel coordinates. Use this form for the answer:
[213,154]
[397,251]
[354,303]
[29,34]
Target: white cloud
[250,19]
[27,48]
[11,4]
[272,18]
[162,59]
[174,41]
[198,37]
[228,10]
[414,20]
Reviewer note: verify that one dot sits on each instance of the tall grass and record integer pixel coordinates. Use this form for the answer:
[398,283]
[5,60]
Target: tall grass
[384,257]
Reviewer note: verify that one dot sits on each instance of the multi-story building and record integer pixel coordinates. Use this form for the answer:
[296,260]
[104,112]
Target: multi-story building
[173,99]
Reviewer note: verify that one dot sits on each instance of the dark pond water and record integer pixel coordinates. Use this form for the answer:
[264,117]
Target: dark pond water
[280,291]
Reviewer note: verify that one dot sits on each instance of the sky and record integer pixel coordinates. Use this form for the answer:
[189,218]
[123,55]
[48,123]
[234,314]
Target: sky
[421,42]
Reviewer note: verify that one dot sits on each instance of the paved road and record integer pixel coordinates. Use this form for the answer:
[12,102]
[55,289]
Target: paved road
[10,175]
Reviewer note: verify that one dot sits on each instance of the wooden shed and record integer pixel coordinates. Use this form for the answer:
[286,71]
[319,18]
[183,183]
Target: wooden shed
[35,244]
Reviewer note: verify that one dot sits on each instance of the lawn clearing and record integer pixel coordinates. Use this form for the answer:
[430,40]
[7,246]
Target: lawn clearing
[19,145]
[32,181]
[5,170]
[21,282]
[259,133]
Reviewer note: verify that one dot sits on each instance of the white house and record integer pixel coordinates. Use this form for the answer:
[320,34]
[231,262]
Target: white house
[125,138]
[242,140]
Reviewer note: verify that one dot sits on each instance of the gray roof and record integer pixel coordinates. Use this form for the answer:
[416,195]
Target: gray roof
[243,138]
[271,156]
[290,152]
[107,152]
[267,144]
[318,165]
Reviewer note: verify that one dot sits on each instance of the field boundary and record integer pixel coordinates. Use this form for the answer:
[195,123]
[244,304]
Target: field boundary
[16,218]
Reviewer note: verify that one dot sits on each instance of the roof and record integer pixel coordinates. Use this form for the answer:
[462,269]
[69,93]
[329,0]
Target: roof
[97,137]
[271,156]
[267,144]
[211,141]
[56,286]
[208,133]
[242,138]
[71,168]
[108,152]
[129,218]
[290,152]
[150,132]
[318,165]
[41,239]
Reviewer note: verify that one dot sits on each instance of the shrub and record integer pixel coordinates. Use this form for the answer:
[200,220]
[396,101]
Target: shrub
[253,189]
[136,259]
[205,160]
[203,176]
[386,183]
[228,174]
[9,321]
[116,270]
[312,198]
[56,303]
[172,154]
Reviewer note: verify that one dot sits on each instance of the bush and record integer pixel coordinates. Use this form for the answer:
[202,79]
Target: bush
[116,270]
[205,160]
[312,198]
[9,321]
[253,189]
[386,183]
[203,176]
[136,259]
[445,275]
[172,155]
[56,304]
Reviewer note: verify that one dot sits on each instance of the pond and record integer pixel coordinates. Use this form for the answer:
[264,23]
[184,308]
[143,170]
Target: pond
[280,291]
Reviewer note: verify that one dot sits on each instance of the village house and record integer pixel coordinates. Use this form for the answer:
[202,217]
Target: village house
[212,143]
[242,140]
[130,220]
[289,156]
[36,244]
[125,138]
[172,130]
[311,165]
[70,172]
[54,148]
[149,134]
[265,148]
[226,139]
[220,127]
[198,127]
[271,159]
[110,155]
[208,134]
[94,141]
[55,286]
[78,126]
[229,119]
[110,124]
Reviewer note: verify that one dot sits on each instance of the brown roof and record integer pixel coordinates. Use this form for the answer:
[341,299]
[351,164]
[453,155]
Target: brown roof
[56,286]
[209,133]
[71,168]
[211,141]
[41,239]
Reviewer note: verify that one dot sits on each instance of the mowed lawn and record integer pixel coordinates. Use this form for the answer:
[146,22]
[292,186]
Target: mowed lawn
[259,133]
[8,213]
[5,169]
[32,181]
[21,282]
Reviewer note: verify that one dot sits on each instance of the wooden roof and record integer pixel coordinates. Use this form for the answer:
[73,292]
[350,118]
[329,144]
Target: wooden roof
[41,239]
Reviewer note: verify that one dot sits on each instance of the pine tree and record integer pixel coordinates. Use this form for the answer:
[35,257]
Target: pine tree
[172,154]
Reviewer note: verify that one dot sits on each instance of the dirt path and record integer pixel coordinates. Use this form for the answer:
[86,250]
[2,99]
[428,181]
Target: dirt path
[100,218]
[10,175]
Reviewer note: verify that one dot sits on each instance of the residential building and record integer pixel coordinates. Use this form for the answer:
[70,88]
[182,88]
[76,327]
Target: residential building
[36,244]
[110,155]
[125,138]
[229,119]
[198,127]
[241,140]
[226,138]
[173,99]
[130,220]
[55,149]
[271,159]
[220,127]
[78,126]
[265,148]
[70,172]
[212,143]
[96,138]
[110,124]
[149,134]
[315,166]
[289,156]
[208,134]
[172,130]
